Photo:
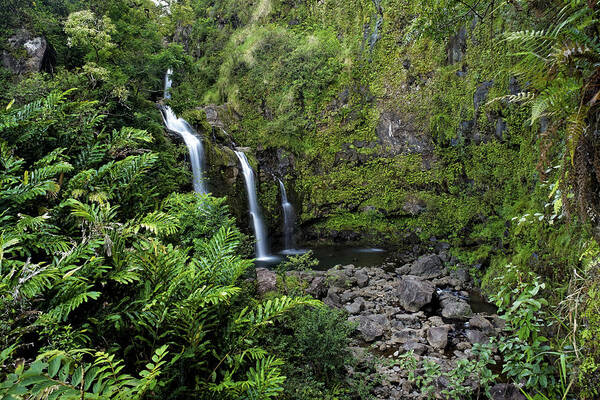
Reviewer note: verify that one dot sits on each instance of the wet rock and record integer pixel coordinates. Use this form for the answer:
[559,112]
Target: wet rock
[428,266]
[455,308]
[266,281]
[399,133]
[438,337]
[506,391]
[317,288]
[476,336]
[413,293]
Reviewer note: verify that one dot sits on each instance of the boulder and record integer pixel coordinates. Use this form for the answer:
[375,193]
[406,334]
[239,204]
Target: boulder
[506,391]
[416,347]
[455,308]
[413,293]
[406,335]
[362,279]
[333,298]
[26,52]
[476,336]
[479,322]
[438,337]
[317,287]
[403,270]
[356,307]
[266,281]
[371,327]
[428,266]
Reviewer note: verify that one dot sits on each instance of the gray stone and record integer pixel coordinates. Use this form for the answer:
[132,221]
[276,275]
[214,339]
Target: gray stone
[481,93]
[416,347]
[476,336]
[461,275]
[362,279]
[500,128]
[457,47]
[399,133]
[427,266]
[266,281]
[35,49]
[347,296]
[333,298]
[403,270]
[506,391]
[514,87]
[356,307]
[438,337]
[317,287]
[479,322]
[406,335]
[413,293]
[455,308]
[371,327]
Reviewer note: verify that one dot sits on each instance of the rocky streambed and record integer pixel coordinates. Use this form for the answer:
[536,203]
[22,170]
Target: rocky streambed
[423,306]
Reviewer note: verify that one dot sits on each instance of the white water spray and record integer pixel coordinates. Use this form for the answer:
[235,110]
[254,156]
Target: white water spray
[193,143]
[262,244]
[288,219]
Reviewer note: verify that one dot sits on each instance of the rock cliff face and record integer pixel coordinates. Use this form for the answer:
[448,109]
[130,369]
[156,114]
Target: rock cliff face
[26,53]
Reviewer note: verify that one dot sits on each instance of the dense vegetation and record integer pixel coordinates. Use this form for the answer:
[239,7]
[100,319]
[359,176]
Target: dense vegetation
[472,122]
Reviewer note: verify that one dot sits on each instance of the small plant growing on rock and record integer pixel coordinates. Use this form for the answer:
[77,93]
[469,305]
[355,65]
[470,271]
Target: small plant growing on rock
[525,347]
[467,379]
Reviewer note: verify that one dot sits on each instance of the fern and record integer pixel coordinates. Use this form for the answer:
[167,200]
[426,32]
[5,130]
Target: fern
[58,376]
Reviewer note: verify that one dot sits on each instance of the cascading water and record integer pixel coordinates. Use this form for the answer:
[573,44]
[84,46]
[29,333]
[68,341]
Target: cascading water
[193,143]
[288,219]
[262,245]
[168,83]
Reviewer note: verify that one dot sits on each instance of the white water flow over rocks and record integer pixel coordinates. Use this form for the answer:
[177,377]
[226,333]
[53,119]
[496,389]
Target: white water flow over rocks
[288,219]
[262,245]
[193,143]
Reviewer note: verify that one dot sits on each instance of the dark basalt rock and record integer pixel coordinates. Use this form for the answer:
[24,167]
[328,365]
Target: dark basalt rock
[506,391]
[457,47]
[26,53]
[481,93]
[400,135]
[414,293]
[266,281]
[428,266]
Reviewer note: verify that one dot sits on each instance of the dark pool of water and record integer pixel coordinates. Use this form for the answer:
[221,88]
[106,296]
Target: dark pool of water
[332,255]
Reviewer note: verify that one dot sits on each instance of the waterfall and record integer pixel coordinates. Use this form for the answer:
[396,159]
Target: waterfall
[262,245]
[168,83]
[193,143]
[288,218]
